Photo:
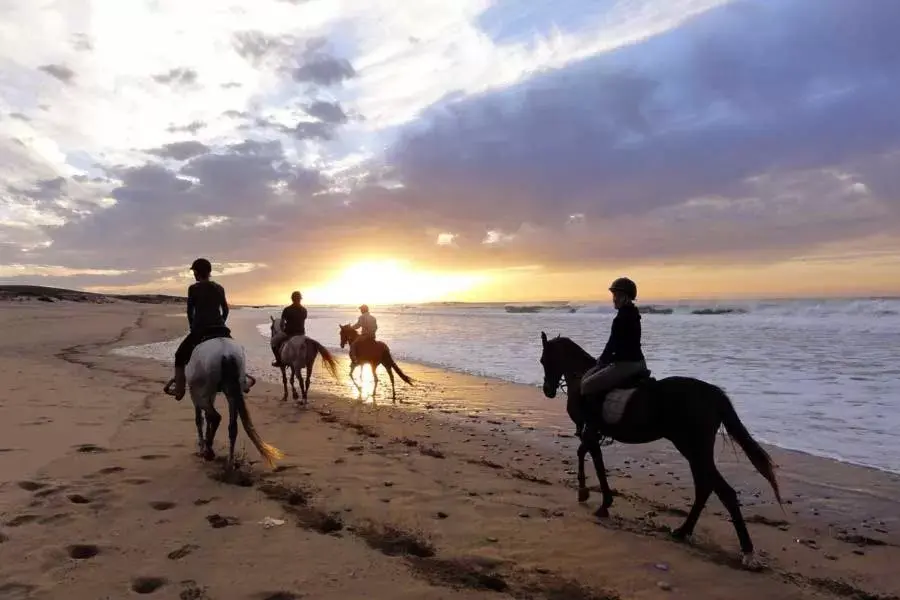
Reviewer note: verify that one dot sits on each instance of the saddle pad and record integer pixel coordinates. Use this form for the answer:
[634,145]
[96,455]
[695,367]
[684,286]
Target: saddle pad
[615,404]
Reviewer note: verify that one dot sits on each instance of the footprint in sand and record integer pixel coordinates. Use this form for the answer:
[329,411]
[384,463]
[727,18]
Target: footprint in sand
[153,456]
[32,486]
[82,551]
[278,596]
[137,480]
[182,552]
[147,585]
[78,499]
[15,591]
[90,449]
[162,505]
[218,521]
[22,520]
[111,470]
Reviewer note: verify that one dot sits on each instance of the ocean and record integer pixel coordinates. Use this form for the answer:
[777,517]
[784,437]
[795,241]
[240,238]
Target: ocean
[819,376]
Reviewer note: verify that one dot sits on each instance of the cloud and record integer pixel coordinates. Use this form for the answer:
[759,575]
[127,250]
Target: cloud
[465,134]
[177,76]
[324,70]
[181,150]
[61,72]
[328,112]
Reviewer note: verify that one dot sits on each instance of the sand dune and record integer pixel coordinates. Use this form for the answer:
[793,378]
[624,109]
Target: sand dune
[102,496]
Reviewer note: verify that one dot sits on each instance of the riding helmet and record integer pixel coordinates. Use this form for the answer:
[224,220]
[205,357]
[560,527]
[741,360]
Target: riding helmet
[201,266]
[626,286]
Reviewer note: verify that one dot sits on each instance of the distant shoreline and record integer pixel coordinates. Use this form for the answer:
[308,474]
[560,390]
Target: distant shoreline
[55,294]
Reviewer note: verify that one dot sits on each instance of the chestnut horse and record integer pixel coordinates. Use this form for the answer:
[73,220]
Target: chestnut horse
[373,353]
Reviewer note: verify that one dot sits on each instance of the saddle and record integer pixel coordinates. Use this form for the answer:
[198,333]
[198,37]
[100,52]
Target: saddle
[616,400]
[213,333]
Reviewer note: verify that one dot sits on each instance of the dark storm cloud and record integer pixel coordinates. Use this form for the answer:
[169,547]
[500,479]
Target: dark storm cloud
[328,112]
[746,90]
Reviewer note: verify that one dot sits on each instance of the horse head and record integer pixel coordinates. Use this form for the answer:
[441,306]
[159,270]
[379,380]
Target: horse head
[348,334]
[274,326]
[552,363]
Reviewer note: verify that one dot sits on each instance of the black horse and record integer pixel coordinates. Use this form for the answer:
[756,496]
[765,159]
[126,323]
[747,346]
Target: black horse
[686,411]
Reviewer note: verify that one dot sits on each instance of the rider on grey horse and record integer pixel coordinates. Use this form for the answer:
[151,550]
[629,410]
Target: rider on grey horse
[622,357]
[207,311]
[293,322]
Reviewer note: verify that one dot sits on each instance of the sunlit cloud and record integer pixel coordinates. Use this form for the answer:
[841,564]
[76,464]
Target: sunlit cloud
[476,136]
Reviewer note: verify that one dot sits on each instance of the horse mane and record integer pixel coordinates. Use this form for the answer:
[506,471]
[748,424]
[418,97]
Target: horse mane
[568,344]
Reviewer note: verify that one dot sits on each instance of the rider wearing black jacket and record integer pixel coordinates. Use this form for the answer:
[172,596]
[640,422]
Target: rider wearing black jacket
[207,311]
[622,357]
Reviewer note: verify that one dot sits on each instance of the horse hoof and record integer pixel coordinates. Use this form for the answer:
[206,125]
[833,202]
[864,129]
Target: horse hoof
[751,562]
[679,535]
[209,455]
[583,495]
[602,513]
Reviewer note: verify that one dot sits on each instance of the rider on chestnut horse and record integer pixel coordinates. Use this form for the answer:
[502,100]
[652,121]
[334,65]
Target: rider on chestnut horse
[367,324]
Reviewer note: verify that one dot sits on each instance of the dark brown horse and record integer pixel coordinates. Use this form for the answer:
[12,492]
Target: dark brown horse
[373,353]
[686,411]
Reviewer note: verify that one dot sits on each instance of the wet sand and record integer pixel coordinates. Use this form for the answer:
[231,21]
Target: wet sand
[102,496]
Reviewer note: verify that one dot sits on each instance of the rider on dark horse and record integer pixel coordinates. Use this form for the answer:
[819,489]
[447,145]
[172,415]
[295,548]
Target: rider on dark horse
[368,326]
[293,322]
[207,311]
[622,357]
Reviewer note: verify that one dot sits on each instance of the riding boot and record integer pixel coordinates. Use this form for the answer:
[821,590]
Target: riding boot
[180,383]
[277,361]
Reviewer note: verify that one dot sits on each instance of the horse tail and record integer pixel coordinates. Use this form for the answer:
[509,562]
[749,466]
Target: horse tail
[327,358]
[758,456]
[231,380]
[391,364]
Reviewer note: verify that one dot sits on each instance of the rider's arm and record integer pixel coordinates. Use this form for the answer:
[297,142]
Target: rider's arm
[191,302]
[358,323]
[224,305]
[283,322]
[610,348]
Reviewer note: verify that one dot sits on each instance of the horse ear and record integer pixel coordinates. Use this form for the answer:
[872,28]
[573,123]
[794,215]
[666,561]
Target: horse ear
[273,318]
[543,338]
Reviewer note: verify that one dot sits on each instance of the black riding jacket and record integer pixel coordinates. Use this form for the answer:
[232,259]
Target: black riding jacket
[624,343]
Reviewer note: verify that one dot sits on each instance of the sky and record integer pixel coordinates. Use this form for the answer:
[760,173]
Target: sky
[396,151]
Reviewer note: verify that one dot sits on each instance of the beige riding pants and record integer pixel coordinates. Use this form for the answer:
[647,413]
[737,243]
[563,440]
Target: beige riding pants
[603,379]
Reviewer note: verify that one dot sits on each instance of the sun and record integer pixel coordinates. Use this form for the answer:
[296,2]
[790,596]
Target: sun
[391,282]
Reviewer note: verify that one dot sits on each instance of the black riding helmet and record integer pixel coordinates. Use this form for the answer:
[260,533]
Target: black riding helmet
[201,266]
[626,286]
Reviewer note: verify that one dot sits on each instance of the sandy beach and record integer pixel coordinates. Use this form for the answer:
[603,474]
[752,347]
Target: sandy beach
[102,496]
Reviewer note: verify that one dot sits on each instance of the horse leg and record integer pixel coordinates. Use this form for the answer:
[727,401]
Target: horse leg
[393,389]
[232,431]
[284,382]
[309,368]
[583,492]
[600,467]
[375,381]
[198,420]
[294,393]
[729,499]
[703,487]
[213,418]
[358,388]
[703,469]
